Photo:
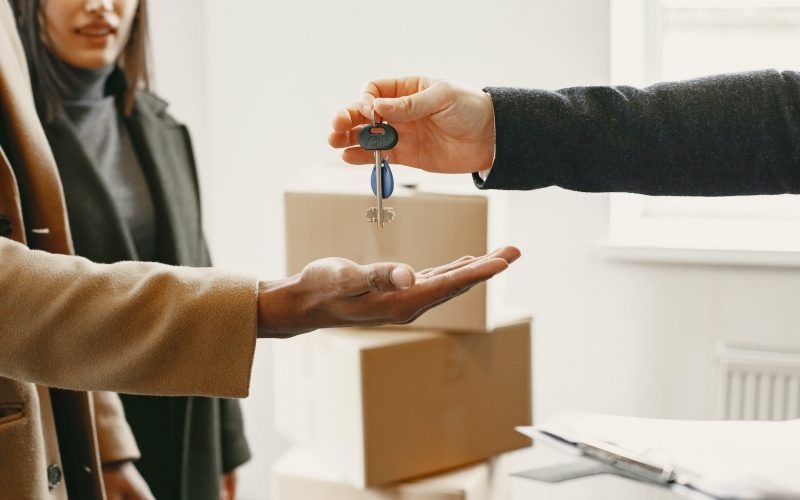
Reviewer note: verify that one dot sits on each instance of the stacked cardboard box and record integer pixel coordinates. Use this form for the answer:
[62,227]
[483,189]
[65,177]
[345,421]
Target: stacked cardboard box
[300,474]
[377,408]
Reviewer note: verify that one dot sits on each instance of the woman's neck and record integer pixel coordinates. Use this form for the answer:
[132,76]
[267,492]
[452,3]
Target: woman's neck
[81,84]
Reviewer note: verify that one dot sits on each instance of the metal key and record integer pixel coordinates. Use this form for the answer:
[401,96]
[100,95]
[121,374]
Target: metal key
[377,142]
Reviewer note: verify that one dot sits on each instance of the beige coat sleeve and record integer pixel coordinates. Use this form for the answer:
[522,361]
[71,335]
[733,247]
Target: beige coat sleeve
[132,327]
[115,438]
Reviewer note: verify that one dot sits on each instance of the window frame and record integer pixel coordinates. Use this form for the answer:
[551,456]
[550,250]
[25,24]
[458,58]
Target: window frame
[633,235]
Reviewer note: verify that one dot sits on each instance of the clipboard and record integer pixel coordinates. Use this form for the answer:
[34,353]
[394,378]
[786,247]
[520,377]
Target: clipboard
[594,457]
[719,459]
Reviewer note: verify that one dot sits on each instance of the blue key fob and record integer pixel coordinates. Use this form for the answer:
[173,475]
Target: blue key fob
[386,179]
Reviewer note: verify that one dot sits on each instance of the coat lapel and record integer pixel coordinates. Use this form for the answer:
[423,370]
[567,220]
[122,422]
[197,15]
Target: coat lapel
[98,230]
[34,166]
[165,153]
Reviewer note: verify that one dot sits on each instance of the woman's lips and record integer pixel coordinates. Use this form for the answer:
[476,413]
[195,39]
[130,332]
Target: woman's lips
[97,33]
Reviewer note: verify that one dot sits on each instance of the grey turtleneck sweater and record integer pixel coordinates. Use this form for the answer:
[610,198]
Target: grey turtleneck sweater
[101,129]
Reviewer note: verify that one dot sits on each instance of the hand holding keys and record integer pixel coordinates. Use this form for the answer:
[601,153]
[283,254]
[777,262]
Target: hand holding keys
[379,137]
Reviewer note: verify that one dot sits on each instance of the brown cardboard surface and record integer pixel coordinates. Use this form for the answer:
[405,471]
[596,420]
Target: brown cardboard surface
[300,475]
[430,230]
[383,406]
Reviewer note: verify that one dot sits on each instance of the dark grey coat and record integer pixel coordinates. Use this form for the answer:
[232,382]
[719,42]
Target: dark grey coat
[736,134]
[186,442]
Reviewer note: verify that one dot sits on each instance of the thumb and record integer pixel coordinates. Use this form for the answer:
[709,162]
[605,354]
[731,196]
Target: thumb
[412,107]
[387,277]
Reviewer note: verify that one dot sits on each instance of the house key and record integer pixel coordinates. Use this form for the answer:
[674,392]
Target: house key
[379,137]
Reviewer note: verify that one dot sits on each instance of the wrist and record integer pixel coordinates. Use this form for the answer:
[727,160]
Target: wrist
[281,308]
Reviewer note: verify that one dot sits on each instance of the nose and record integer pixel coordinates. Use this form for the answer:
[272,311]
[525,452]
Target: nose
[93,6]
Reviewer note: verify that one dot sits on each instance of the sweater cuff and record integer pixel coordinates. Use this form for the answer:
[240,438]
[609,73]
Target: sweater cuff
[517,122]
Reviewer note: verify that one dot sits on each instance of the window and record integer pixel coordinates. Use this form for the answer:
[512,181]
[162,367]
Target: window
[656,40]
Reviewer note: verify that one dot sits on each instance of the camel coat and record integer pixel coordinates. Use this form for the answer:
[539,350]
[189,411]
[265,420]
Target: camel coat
[67,323]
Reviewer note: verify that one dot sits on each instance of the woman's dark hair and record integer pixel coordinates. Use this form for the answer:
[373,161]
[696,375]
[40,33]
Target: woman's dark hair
[43,67]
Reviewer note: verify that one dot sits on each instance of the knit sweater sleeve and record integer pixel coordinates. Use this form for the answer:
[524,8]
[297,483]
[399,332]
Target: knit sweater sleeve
[735,134]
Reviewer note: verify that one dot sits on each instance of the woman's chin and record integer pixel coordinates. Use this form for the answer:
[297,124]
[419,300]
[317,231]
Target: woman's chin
[89,59]
[82,56]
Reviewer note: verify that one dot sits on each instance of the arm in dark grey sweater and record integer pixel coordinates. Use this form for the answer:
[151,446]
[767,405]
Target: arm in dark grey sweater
[723,135]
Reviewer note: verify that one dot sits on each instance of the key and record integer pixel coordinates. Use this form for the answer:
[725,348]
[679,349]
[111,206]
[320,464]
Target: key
[379,137]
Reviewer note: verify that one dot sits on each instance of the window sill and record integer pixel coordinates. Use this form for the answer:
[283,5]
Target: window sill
[662,254]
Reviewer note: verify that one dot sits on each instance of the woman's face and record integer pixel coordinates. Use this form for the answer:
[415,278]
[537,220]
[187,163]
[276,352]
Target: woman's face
[87,33]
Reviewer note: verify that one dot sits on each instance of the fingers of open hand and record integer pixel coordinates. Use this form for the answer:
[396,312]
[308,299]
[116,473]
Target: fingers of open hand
[438,285]
[382,301]
[440,288]
[455,293]
[509,254]
[469,274]
[460,262]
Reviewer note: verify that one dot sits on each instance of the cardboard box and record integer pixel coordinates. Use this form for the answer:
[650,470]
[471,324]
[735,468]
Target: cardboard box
[435,224]
[382,406]
[300,475]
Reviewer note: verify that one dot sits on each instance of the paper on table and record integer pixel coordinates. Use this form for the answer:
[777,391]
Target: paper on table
[726,459]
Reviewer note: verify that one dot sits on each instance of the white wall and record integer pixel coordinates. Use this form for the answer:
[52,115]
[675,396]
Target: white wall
[179,60]
[259,81]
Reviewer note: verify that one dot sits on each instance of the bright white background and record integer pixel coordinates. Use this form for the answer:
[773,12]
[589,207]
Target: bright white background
[655,40]
[258,82]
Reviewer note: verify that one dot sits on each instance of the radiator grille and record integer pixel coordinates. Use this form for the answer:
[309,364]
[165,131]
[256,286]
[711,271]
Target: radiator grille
[759,385]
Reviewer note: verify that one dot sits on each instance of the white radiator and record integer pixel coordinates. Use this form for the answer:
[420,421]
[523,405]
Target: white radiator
[758,384]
